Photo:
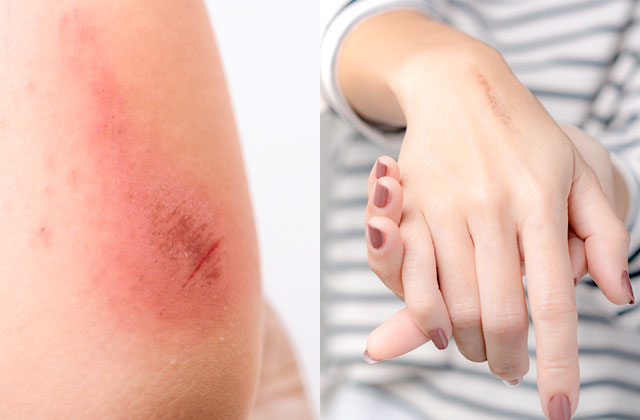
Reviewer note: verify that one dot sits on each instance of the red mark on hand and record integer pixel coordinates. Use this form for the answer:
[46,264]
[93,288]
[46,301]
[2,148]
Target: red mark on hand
[201,263]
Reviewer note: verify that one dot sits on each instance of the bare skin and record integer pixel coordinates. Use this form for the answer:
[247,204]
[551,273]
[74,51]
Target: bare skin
[488,180]
[130,282]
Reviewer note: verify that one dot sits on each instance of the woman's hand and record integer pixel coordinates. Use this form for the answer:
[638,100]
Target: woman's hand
[489,180]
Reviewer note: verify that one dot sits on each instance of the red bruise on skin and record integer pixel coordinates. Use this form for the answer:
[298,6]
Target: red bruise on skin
[201,263]
[157,247]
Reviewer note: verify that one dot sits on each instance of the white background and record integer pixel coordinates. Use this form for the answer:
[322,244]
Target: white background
[270,51]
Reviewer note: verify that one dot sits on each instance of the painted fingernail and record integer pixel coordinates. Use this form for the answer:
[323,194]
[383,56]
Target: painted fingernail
[626,285]
[381,169]
[559,408]
[376,237]
[439,339]
[380,196]
[575,281]
[513,383]
[368,359]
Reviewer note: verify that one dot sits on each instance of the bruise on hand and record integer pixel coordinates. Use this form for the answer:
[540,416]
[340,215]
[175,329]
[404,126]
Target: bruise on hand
[496,105]
[156,245]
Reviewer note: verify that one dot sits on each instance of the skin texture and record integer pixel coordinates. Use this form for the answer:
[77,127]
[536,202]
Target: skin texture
[489,181]
[130,282]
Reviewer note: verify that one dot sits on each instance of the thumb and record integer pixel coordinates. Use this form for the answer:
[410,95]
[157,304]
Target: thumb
[606,238]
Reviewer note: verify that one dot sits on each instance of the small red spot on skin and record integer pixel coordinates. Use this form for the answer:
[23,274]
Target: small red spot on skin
[42,237]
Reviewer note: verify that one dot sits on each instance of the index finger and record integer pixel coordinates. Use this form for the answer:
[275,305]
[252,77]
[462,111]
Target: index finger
[553,310]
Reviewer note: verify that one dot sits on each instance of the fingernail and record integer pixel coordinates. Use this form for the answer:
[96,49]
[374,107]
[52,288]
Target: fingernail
[375,237]
[368,359]
[513,383]
[559,408]
[380,196]
[381,169]
[438,338]
[626,285]
[575,281]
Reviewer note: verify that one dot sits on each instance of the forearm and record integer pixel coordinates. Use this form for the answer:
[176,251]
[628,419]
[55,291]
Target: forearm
[128,210]
[394,55]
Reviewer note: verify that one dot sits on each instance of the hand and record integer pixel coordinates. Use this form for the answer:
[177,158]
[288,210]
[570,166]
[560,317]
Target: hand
[503,345]
[387,217]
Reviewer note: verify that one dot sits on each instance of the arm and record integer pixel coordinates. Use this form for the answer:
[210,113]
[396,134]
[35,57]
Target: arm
[129,253]
[376,59]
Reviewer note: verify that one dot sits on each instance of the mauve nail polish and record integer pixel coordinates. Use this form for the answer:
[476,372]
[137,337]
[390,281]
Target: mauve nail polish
[438,338]
[380,196]
[559,408]
[375,237]
[626,285]
[381,169]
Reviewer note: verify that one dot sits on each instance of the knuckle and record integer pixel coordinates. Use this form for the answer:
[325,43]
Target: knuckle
[465,320]
[487,200]
[557,366]
[555,308]
[620,233]
[420,308]
[507,326]
[541,200]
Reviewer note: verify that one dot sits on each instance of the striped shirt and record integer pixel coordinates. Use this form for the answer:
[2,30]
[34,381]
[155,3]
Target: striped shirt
[581,58]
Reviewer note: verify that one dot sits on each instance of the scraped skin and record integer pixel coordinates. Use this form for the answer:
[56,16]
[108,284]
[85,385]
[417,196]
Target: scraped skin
[130,281]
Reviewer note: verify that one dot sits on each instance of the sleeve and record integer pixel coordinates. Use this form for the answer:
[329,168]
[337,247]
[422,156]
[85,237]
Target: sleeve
[352,13]
[614,119]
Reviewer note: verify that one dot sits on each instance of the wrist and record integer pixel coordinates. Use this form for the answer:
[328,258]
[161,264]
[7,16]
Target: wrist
[384,49]
[430,81]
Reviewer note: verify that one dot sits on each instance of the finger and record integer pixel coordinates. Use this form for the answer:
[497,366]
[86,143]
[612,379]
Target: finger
[385,200]
[384,166]
[553,309]
[385,250]
[577,256]
[422,295]
[606,239]
[458,282]
[505,320]
[396,336]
